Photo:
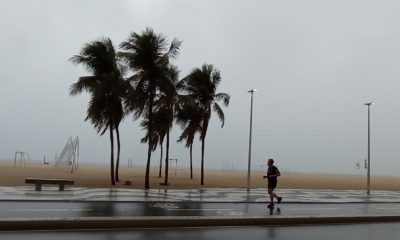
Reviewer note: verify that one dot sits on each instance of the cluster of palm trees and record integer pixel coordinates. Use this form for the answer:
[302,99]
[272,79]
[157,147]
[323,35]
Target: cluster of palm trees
[153,92]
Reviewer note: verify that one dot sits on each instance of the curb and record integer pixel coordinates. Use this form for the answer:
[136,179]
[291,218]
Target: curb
[195,201]
[101,223]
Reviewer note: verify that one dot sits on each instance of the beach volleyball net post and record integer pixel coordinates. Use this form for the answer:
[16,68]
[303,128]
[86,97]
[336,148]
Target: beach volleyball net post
[69,156]
[176,163]
[22,158]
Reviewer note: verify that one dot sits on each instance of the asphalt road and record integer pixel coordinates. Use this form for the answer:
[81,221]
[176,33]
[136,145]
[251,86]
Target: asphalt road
[108,209]
[387,231]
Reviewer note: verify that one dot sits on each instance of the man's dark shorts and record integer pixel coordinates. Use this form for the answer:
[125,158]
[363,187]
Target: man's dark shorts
[272,184]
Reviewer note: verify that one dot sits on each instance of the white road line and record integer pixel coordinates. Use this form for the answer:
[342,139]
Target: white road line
[309,209]
[47,210]
[199,209]
[387,208]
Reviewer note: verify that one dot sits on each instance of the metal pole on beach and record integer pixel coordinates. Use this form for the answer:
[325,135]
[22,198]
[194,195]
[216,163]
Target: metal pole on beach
[369,150]
[252,91]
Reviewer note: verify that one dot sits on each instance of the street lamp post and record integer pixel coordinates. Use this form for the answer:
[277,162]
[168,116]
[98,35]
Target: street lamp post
[368,104]
[252,91]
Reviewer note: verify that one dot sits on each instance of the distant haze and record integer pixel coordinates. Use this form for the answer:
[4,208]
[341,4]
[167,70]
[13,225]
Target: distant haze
[314,63]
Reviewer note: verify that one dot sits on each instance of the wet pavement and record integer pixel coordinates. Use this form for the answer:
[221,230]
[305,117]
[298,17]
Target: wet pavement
[23,205]
[27,193]
[387,231]
[36,209]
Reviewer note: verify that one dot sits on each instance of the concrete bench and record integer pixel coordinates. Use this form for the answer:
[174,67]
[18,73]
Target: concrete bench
[39,181]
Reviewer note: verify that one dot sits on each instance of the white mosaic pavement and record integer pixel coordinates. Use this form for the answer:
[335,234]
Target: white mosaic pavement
[27,193]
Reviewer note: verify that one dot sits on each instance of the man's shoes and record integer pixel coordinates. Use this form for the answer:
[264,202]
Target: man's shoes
[279,200]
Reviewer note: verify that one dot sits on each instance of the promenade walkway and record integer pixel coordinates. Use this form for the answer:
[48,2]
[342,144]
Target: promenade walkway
[27,193]
[22,208]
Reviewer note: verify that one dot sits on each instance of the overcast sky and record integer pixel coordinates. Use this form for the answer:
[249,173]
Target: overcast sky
[314,64]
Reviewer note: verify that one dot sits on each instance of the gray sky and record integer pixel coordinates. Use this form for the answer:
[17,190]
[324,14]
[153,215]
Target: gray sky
[314,63]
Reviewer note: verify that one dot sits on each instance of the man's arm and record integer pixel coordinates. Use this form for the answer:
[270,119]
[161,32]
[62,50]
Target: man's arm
[277,173]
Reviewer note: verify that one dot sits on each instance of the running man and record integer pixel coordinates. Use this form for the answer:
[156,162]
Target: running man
[272,176]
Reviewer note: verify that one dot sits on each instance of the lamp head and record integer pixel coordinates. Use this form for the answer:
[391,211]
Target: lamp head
[252,91]
[369,103]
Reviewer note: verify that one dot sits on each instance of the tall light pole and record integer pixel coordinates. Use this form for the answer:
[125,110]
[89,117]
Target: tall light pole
[368,104]
[252,91]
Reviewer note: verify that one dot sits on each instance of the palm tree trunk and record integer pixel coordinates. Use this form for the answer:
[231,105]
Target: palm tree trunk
[150,132]
[161,158]
[191,161]
[202,160]
[147,182]
[166,160]
[112,155]
[203,143]
[118,153]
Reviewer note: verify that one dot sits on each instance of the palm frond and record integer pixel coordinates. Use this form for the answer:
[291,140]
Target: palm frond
[224,97]
[87,83]
[106,87]
[217,109]
[174,49]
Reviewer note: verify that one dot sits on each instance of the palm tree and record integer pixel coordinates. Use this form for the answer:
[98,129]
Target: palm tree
[161,142]
[189,118]
[167,102]
[156,133]
[148,55]
[122,89]
[160,125]
[201,84]
[164,114]
[105,86]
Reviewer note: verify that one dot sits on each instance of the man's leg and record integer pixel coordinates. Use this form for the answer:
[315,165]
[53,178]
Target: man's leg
[271,196]
[279,199]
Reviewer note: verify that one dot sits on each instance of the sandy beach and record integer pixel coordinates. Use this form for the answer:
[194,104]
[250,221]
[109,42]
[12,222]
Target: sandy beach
[98,177]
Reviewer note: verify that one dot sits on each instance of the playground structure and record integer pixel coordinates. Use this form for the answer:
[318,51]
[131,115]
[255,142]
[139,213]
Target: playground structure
[22,157]
[227,166]
[130,163]
[176,163]
[69,156]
